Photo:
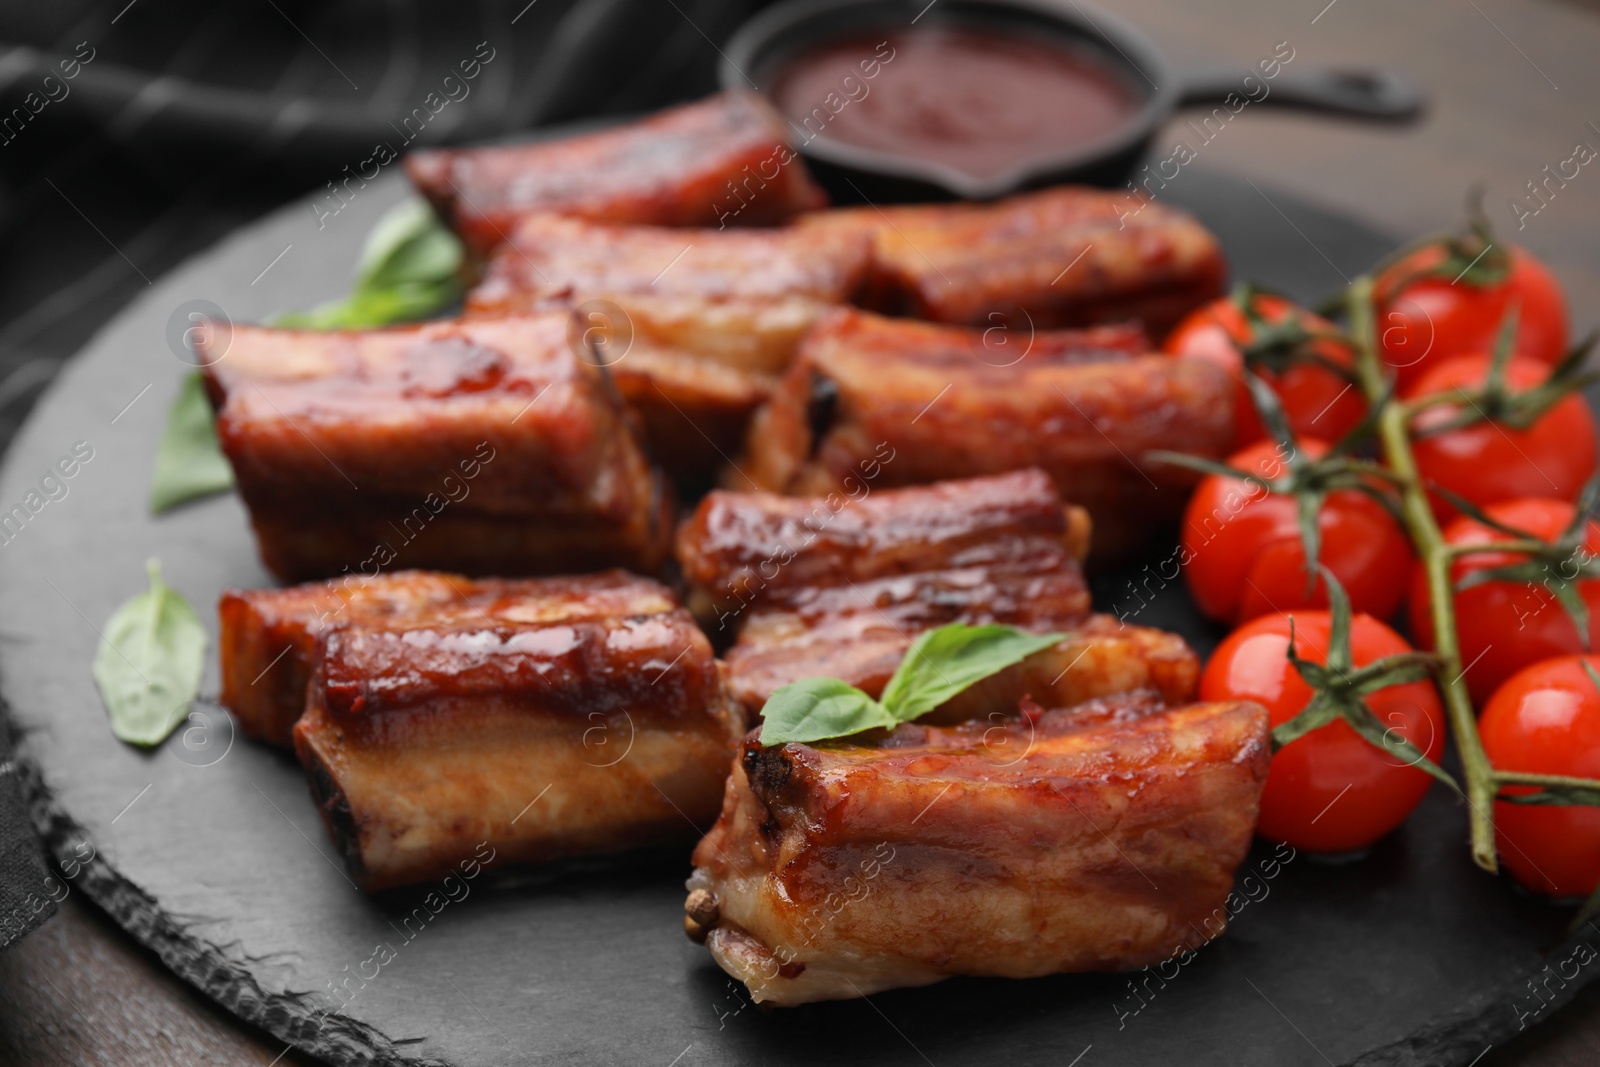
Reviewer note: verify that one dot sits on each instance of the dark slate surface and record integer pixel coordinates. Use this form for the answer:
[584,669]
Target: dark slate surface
[211,852]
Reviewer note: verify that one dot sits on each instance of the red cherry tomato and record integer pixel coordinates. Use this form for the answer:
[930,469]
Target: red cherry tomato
[1487,461]
[1329,791]
[1242,554]
[1424,321]
[1317,401]
[1505,626]
[1546,720]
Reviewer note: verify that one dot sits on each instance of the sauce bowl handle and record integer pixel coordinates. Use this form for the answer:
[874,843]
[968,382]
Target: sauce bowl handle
[1375,94]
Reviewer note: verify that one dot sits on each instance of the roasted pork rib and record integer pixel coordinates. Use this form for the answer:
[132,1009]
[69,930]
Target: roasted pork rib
[268,637]
[721,161]
[1068,256]
[840,586]
[694,326]
[1101,837]
[545,718]
[740,549]
[480,447]
[555,261]
[951,402]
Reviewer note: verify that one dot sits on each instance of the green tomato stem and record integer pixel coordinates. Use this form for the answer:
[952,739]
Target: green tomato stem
[1484,548]
[1410,409]
[1393,431]
[1549,781]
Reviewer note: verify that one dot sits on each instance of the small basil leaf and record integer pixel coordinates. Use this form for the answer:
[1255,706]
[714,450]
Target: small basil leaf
[943,662]
[189,462]
[409,244]
[149,663]
[409,269]
[368,308]
[815,709]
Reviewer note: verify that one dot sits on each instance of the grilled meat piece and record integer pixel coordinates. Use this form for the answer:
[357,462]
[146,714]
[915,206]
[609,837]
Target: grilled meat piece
[862,637]
[544,718]
[721,161]
[694,326]
[268,637]
[1102,837]
[1099,658]
[740,550]
[840,586]
[950,402]
[1068,256]
[480,447]
[552,260]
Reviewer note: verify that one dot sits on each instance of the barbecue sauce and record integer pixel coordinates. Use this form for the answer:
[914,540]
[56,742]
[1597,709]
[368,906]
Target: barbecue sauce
[978,100]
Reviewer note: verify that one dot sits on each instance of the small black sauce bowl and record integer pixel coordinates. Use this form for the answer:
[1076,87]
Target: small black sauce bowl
[762,46]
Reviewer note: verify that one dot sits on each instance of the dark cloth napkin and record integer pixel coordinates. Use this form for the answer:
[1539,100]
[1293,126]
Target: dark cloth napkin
[26,899]
[133,133]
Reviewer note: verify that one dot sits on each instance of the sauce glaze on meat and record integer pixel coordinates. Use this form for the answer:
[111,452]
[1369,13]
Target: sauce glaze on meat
[1102,837]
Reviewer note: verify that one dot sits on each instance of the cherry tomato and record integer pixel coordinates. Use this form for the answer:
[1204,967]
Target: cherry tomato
[1424,321]
[1242,554]
[1505,626]
[1546,720]
[1488,461]
[1317,401]
[1331,790]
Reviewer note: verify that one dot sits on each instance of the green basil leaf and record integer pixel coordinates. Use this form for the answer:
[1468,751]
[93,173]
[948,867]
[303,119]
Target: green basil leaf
[149,663]
[943,662]
[189,462]
[815,709]
[365,309]
[409,244]
[409,269]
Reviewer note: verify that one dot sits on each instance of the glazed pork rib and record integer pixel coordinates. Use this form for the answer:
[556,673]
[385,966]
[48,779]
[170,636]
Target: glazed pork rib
[268,637]
[1068,256]
[744,549]
[694,326]
[1086,839]
[479,447]
[723,160]
[951,402]
[840,585]
[1098,655]
[544,718]
[557,261]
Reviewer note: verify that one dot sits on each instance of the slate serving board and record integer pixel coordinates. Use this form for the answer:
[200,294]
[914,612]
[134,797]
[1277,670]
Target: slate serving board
[210,852]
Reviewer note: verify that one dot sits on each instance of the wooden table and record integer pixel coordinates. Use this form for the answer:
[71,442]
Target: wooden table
[1514,86]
